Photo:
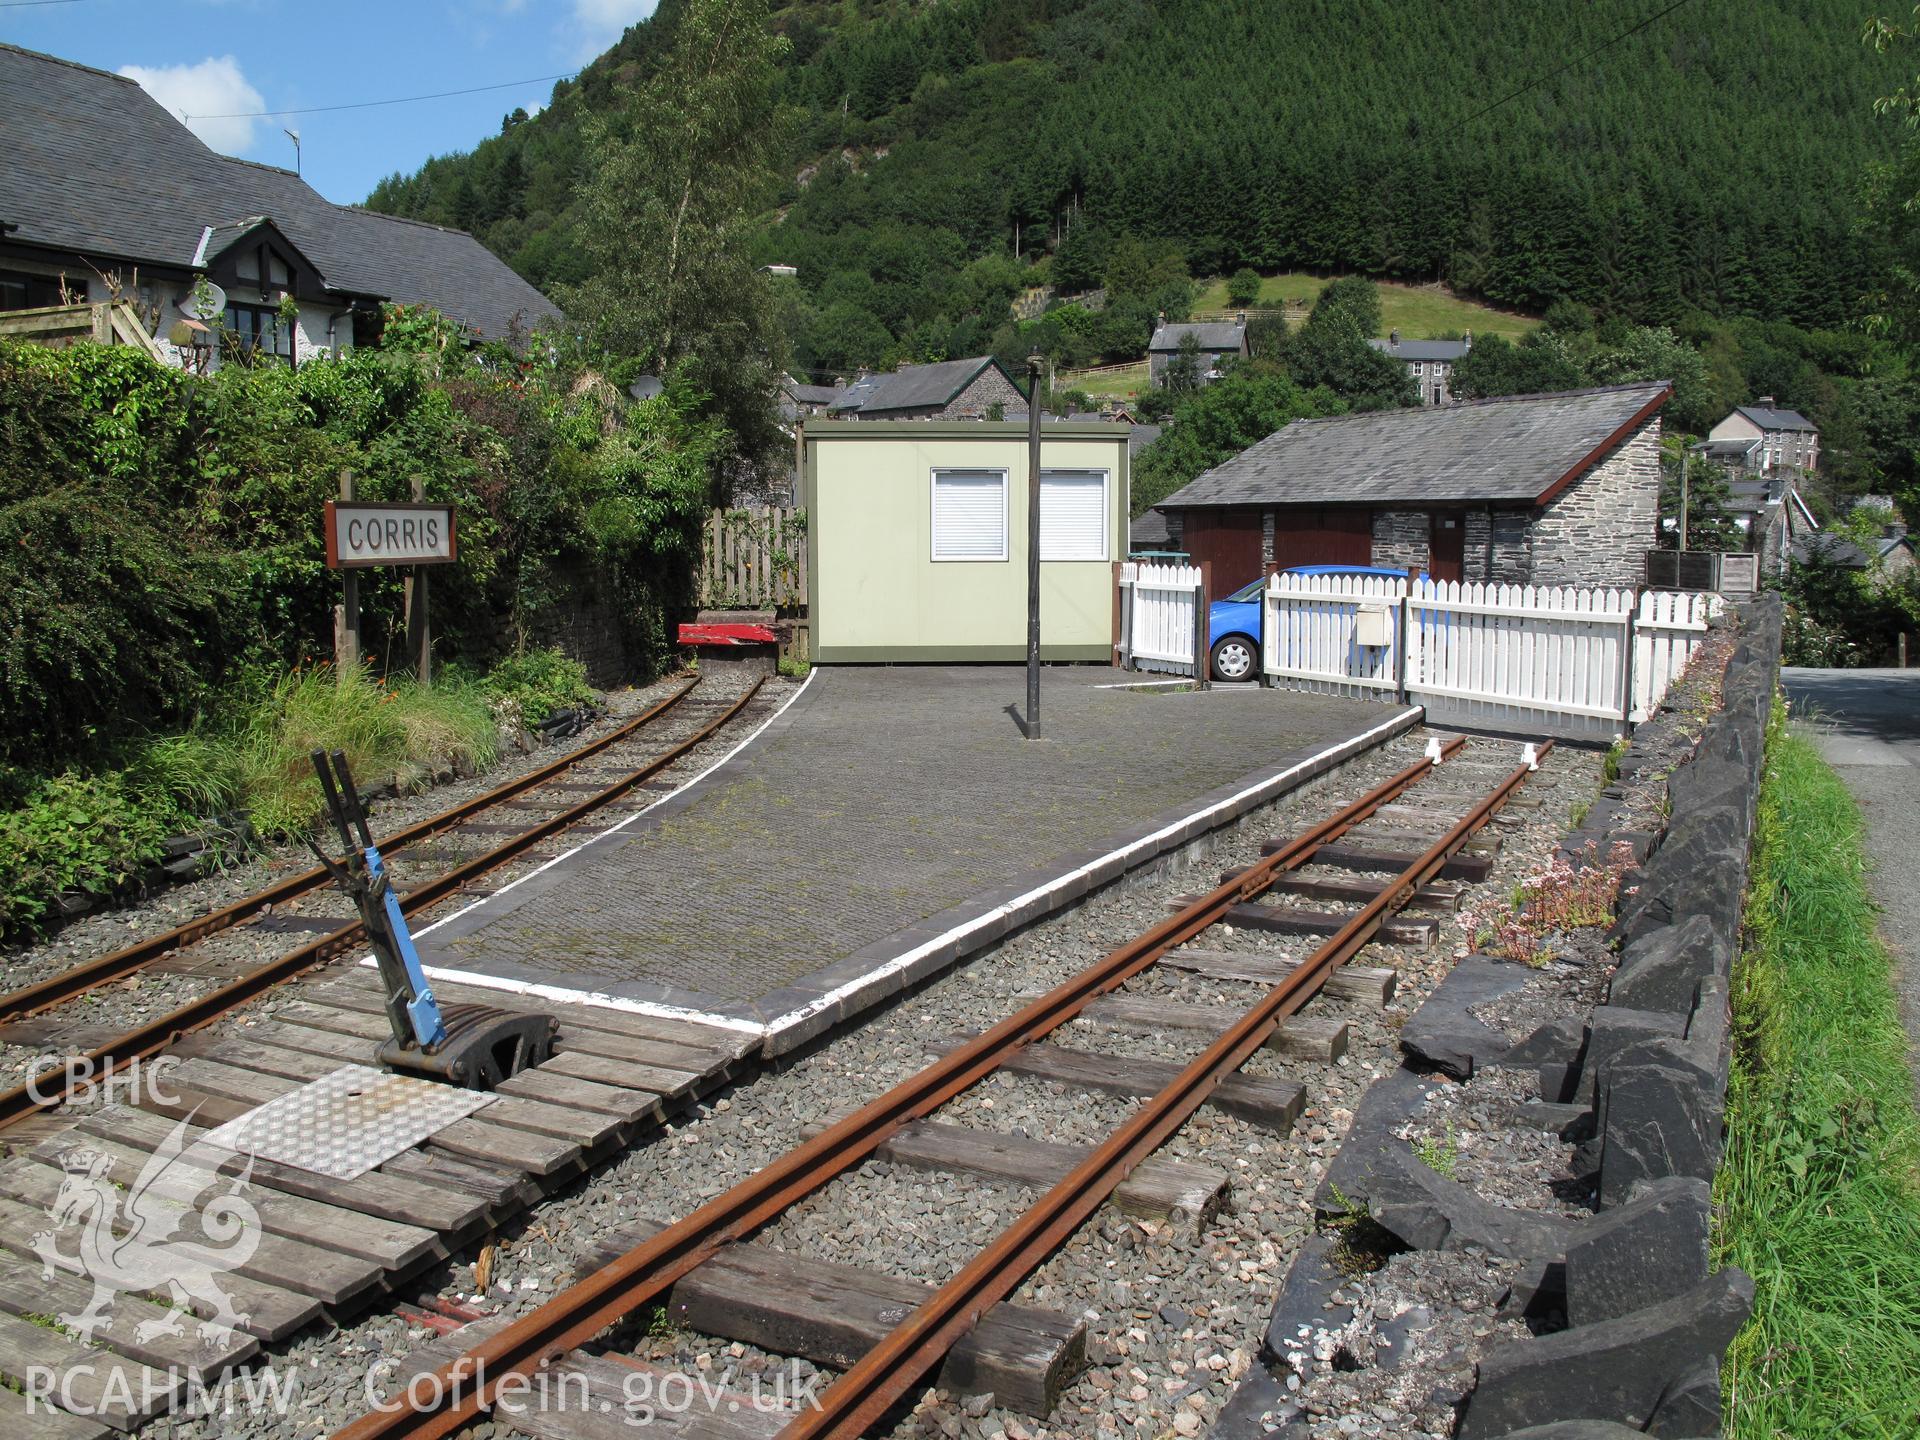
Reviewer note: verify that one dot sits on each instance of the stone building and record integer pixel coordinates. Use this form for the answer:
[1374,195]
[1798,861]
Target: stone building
[1560,489]
[1214,344]
[949,390]
[1762,439]
[1429,362]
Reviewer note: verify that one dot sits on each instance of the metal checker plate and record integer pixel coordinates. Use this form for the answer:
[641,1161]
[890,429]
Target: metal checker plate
[346,1123]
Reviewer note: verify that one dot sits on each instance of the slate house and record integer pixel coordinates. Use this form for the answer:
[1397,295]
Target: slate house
[948,390]
[1215,342]
[1763,438]
[104,194]
[1429,362]
[1560,489]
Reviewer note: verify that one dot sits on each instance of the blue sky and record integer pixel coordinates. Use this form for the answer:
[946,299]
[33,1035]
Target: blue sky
[218,58]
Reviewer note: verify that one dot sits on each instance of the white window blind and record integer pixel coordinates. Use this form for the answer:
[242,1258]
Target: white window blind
[1073,514]
[969,515]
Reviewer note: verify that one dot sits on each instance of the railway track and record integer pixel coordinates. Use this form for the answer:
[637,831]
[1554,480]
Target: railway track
[1356,877]
[433,860]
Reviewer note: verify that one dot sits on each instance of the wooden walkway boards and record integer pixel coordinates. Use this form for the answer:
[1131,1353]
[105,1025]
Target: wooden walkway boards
[326,1247]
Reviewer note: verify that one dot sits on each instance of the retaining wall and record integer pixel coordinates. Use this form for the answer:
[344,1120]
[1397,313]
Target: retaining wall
[1633,1325]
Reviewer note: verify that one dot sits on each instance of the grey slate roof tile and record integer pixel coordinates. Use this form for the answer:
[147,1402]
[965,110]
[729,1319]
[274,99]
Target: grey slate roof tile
[1422,349]
[1511,449]
[90,163]
[911,387]
[1772,417]
[1212,335]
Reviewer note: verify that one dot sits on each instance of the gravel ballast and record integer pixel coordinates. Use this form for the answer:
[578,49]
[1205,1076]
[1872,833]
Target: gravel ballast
[1175,1310]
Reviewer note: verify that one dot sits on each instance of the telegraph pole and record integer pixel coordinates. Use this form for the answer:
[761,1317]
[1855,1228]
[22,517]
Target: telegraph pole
[1683,497]
[1033,546]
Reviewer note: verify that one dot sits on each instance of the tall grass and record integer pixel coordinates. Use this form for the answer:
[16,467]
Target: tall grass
[381,725]
[1819,1194]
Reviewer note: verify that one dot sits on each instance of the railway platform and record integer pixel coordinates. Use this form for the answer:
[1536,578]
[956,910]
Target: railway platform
[883,824]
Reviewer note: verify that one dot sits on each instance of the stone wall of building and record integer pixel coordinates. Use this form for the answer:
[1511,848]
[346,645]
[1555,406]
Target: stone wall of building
[1402,539]
[1598,530]
[985,390]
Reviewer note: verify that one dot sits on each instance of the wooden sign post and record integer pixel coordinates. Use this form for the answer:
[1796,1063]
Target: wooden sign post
[362,534]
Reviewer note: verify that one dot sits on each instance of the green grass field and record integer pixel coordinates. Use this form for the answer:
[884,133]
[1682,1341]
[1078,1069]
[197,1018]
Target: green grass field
[1418,312]
[1114,385]
[1818,1196]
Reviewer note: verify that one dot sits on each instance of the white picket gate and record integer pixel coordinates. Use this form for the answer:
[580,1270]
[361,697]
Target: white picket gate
[1317,629]
[1580,661]
[1159,607]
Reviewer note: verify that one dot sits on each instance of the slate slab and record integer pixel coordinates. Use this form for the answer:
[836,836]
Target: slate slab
[1444,1032]
[1655,1249]
[1617,1370]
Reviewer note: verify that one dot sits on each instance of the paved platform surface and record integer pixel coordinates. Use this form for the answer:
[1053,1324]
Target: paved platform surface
[880,799]
[1867,723]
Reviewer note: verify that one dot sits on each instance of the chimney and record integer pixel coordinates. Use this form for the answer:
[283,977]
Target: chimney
[1393,339]
[1161,318]
[1466,339]
[1240,319]
[1766,400]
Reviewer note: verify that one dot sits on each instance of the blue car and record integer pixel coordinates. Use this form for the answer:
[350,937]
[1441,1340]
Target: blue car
[1233,624]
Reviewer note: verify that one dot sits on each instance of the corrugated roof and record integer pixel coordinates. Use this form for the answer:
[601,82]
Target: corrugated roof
[94,165]
[1772,417]
[1422,349]
[1214,335]
[1517,448]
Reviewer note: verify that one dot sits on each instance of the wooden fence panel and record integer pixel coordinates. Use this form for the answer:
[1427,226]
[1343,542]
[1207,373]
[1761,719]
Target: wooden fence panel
[754,559]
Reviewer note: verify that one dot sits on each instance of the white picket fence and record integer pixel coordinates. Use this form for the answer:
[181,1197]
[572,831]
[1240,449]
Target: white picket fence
[1159,609]
[1585,662]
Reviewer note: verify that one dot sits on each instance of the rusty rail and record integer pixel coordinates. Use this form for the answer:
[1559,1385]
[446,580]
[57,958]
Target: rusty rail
[890,1370]
[465,1386]
[69,983]
[52,1087]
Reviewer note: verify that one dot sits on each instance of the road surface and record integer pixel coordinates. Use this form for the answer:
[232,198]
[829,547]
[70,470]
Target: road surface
[1867,723]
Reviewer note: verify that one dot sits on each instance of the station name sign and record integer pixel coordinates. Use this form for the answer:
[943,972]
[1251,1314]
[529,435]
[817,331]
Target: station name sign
[362,534]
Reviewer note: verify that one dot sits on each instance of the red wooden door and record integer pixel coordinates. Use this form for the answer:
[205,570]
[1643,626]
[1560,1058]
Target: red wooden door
[1447,549]
[1228,538]
[1316,535]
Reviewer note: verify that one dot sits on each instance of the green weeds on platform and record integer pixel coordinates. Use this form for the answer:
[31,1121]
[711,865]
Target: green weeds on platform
[1818,1197]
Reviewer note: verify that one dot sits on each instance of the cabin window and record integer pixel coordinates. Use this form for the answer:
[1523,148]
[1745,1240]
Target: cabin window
[969,515]
[23,291]
[256,333]
[1073,515]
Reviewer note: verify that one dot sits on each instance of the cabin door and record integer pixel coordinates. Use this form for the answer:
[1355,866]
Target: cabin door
[1447,548]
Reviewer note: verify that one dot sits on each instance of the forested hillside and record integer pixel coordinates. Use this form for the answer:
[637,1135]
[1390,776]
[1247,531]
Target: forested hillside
[1712,160]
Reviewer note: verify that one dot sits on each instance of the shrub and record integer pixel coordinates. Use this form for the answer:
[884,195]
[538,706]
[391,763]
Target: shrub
[75,832]
[528,687]
[1243,287]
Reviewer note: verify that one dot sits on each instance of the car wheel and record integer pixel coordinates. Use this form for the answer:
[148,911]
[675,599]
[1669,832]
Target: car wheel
[1233,658]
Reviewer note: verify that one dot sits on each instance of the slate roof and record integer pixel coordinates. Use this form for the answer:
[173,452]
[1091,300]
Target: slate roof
[1772,417]
[1141,436]
[1518,448]
[912,387]
[1834,549]
[1422,349]
[812,394]
[1219,336]
[1149,532]
[92,164]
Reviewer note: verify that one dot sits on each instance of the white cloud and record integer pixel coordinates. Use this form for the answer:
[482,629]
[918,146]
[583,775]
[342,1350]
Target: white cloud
[214,87]
[598,23]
